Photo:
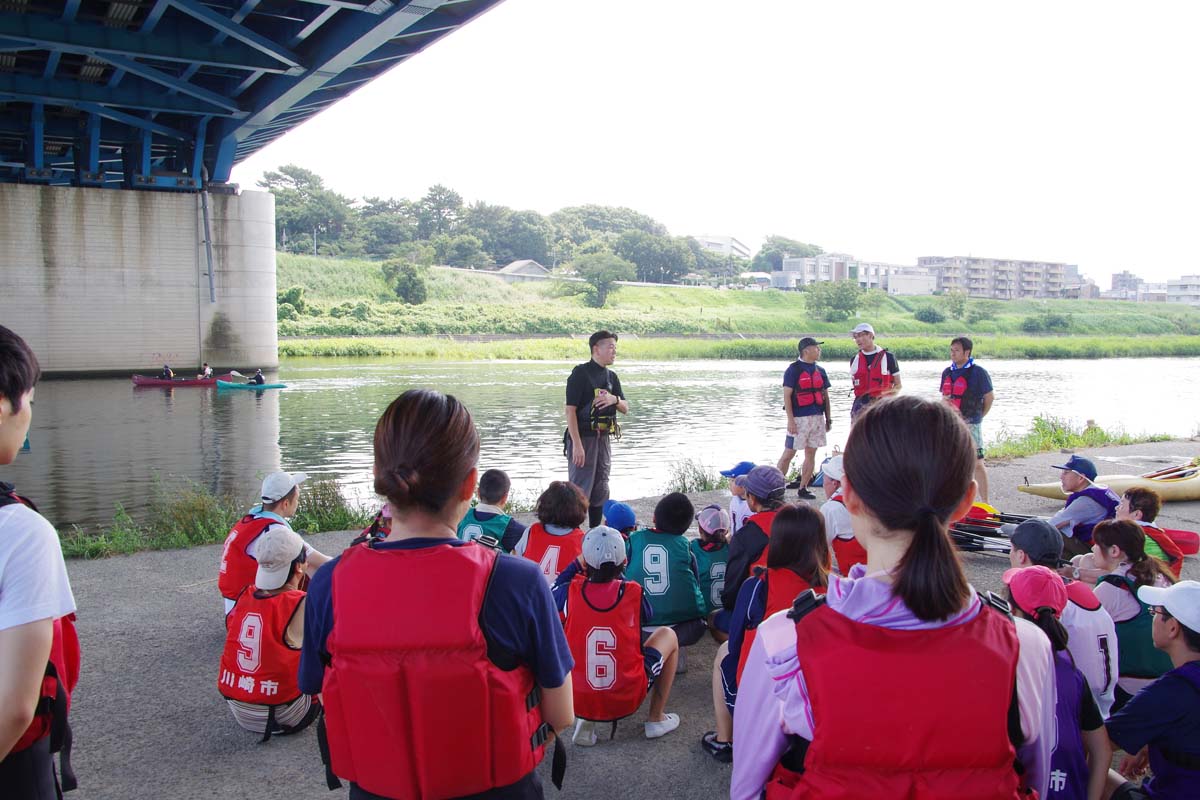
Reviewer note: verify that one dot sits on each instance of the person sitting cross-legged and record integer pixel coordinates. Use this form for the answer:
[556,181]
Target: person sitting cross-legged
[617,659]
[263,640]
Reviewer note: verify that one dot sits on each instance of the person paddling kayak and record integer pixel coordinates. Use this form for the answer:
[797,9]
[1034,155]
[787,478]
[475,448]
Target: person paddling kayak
[258,379]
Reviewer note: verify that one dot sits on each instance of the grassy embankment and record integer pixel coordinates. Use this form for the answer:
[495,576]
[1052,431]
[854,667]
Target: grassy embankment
[188,514]
[353,313]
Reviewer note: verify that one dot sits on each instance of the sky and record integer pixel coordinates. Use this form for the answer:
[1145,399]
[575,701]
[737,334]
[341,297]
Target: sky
[1062,131]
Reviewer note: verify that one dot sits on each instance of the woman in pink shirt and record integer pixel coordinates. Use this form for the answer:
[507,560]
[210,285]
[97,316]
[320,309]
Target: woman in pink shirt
[903,681]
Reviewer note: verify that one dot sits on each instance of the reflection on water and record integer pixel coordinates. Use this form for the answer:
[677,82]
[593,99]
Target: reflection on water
[99,442]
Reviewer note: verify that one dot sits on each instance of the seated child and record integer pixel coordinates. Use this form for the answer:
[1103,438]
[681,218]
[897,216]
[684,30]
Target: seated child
[1160,727]
[748,546]
[797,554]
[487,518]
[739,512]
[661,560]
[845,547]
[711,551]
[280,501]
[619,516]
[379,529]
[555,540]
[617,662]
[263,639]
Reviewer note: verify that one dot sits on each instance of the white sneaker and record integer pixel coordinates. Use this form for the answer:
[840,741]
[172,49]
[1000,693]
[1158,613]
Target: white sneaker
[668,723]
[585,733]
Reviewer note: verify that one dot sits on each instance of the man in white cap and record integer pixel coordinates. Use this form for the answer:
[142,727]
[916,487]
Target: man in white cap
[258,673]
[280,499]
[874,371]
[1160,727]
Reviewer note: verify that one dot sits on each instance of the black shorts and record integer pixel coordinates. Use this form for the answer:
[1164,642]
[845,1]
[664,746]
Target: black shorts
[29,773]
[1130,791]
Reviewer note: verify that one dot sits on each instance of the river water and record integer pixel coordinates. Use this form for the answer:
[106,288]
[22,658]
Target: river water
[99,442]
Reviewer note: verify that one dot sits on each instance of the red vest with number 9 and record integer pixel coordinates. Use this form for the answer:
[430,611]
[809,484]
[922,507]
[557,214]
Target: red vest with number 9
[609,679]
[552,554]
[256,665]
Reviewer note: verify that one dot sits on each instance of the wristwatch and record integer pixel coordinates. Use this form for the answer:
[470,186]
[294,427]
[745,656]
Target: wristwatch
[1075,573]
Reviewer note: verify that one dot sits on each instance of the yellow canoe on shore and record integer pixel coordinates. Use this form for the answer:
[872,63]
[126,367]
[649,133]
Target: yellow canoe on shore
[1178,484]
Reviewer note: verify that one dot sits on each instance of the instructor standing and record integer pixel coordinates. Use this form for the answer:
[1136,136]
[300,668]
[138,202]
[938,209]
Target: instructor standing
[594,397]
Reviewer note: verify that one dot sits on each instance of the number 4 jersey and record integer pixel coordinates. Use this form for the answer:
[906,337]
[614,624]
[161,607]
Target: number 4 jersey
[257,666]
[603,628]
[552,553]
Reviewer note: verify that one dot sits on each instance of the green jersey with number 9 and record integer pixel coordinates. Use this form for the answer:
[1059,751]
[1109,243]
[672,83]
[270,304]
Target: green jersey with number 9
[711,564]
[471,527]
[662,564]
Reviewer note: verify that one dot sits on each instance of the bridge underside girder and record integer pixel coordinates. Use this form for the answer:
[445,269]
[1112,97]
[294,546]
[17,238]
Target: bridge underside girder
[168,94]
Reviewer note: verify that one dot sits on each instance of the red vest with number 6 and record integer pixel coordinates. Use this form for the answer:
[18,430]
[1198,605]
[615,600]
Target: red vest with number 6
[808,391]
[783,586]
[873,379]
[238,568]
[951,736]
[953,388]
[609,678]
[409,671]
[257,666]
[552,554]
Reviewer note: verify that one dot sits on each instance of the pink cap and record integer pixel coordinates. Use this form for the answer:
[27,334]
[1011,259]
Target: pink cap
[1037,587]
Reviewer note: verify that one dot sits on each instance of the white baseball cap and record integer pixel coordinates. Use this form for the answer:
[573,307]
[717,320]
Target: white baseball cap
[1182,601]
[833,468]
[275,551]
[276,486]
[863,327]
[603,545]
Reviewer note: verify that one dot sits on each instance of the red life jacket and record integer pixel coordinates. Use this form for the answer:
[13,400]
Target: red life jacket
[552,554]
[848,552]
[58,681]
[809,389]
[403,681]
[238,568]
[783,586]
[609,678]
[257,666]
[763,520]
[875,379]
[953,390]
[952,738]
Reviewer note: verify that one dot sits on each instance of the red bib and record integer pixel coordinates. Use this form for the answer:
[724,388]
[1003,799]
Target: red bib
[238,568]
[783,586]
[257,666]
[609,678]
[552,554]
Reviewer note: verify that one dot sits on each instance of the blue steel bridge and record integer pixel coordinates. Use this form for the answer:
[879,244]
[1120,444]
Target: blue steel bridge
[170,94]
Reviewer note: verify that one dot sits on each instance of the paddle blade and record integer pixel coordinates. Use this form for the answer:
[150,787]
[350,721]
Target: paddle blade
[236,374]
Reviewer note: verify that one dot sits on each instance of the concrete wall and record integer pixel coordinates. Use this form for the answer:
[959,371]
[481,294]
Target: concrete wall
[104,280]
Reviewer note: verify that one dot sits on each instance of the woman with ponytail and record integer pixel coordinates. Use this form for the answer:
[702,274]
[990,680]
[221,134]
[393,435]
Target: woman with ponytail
[902,681]
[425,644]
[1082,752]
[1119,549]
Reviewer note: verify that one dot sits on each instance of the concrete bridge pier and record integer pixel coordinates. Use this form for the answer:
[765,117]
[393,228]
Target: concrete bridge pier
[103,280]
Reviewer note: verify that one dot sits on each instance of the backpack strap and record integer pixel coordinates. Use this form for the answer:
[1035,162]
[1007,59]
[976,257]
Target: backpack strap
[806,603]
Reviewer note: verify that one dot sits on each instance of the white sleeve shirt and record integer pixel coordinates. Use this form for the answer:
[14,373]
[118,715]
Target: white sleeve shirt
[33,575]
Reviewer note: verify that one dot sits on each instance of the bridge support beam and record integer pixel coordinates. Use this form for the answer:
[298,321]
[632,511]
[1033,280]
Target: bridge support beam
[105,281]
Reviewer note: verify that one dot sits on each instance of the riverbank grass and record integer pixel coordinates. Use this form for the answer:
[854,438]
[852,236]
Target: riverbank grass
[1050,433]
[185,514]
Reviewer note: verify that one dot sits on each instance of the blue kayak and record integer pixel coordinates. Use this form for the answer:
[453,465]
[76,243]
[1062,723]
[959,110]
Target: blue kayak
[229,385]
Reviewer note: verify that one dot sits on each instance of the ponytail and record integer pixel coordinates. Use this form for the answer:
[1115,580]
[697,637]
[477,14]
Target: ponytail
[911,462]
[929,578]
[1045,619]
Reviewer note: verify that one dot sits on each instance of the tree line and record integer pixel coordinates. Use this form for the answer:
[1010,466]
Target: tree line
[440,228]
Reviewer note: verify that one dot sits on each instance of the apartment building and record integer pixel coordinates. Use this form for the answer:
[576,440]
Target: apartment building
[725,245]
[799,272]
[1184,290]
[1003,279]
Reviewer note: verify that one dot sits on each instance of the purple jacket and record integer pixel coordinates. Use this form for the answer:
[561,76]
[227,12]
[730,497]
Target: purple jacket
[772,701]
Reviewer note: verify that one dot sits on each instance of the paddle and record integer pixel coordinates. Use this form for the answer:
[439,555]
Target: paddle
[236,374]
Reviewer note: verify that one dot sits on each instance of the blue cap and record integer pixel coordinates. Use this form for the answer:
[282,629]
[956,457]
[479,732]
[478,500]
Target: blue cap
[619,515]
[742,468]
[1083,466]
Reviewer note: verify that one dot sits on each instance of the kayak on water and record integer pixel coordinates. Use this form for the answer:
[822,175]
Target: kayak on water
[1177,483]
[230,385]
[147,380]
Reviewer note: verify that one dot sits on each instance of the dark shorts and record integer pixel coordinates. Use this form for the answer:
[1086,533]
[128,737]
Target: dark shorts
[1130,791]
[653,661]
[690,631]
[29,774]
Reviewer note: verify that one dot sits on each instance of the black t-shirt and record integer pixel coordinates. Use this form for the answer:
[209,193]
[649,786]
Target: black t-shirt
[582,386]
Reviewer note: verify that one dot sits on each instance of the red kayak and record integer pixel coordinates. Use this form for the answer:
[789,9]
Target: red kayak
[146,380]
